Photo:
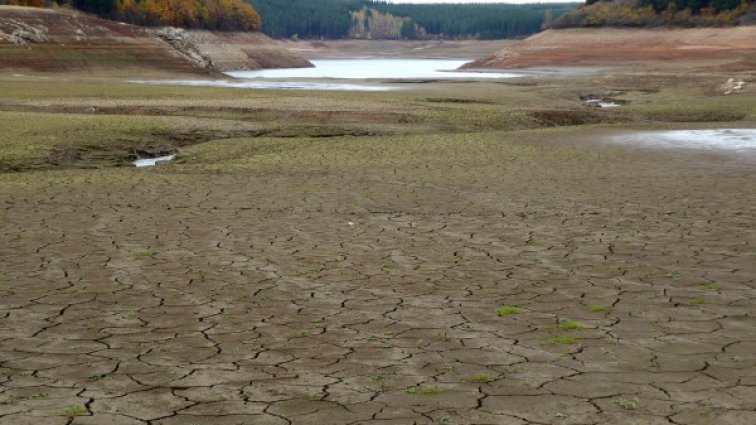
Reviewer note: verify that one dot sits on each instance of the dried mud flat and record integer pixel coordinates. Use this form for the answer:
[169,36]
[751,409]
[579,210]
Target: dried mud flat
[474,277]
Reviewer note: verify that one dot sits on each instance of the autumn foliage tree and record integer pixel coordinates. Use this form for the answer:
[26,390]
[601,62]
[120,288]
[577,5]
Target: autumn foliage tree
[221,15]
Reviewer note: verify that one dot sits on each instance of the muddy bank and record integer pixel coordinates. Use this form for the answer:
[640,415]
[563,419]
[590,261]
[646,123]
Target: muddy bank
[605,46]
[46,40]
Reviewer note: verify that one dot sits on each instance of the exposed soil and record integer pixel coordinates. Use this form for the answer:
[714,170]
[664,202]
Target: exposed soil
[449,254]
[58,40]
[607,46]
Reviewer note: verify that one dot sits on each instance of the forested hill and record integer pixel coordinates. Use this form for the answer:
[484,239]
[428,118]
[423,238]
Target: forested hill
[654,13]
[336,19]
[219,15]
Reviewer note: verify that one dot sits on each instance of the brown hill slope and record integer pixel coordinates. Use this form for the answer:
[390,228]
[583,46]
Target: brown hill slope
[64,40]
[602,46]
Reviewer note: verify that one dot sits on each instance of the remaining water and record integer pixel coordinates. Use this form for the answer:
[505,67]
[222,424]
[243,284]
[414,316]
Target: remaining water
[359,72]
[271,85]
[349,69]
[151,162]
[738,140]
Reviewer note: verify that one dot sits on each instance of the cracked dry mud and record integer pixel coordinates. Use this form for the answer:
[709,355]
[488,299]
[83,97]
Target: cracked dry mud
[487,282]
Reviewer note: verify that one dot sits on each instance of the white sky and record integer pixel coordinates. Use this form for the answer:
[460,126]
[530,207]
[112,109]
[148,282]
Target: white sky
[485,1]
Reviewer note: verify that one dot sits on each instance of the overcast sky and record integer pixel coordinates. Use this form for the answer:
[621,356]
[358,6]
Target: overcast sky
[484,1]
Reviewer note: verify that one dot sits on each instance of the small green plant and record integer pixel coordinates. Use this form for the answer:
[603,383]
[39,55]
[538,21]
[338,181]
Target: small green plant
[654,363]
[709,286]
[253,345]
[442,420]
[317,396]
[562,339]
[482,378]
[201,275]
[598,308]
[442,336]
[95,377]
[131,314]
[39,395]
[318,269]
[560,415]
[569,325]
[27,373]
[145,253]
[507,310]
[380,380]
[626,404]
[698,301]
[75,410]
[423,390]
[3,277]
[673,275]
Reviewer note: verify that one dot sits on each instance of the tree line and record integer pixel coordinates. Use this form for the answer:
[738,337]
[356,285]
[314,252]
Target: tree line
[335,19]
[653,13]
[220,15]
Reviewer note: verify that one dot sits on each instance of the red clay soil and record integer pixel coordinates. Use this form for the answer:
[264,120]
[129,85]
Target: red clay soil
[611,45]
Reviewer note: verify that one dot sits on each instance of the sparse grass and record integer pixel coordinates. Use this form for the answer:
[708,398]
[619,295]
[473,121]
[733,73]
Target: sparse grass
[698,301]
[3,278]
[570,325]
[145,253]
[598,308]
[626,403]
[423,390]
[560,415]
[673,275]
[95,377]
[561,340]
[443,336]
[710,286]
[507,310]
[482,378]
[381,380]
[318,268]
[39,395]
[75,410]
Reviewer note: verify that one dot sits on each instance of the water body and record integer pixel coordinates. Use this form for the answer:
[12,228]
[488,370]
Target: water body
[360,75]
[151,162]
[383,69]
[733,140]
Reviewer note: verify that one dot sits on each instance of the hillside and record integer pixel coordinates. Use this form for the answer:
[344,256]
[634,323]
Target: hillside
[367,19]
[612,46]
[657,13]
[65,40]
[217,15]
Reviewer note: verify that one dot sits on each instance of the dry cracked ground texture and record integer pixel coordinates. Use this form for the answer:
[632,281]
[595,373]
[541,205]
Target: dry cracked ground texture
[174,297]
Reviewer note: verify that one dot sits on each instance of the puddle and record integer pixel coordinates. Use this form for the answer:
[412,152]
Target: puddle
[151,162]
[601,103]
[734,140]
